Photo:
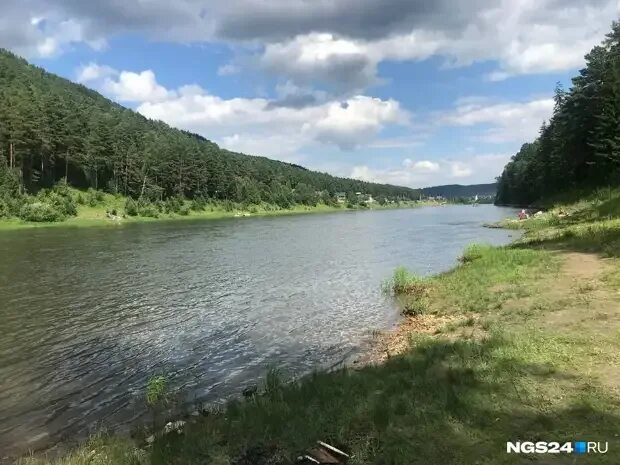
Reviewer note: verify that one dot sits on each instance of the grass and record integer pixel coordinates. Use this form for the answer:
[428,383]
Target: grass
[526,357]
[97,215]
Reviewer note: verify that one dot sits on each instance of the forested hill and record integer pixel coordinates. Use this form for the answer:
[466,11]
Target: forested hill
[579,147]
[51,128]
[452,191]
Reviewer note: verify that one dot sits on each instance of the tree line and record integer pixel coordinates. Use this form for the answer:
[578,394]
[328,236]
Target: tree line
[52,129]
[579,147]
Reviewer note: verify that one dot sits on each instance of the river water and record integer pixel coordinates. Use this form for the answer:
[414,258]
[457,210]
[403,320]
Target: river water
[88,315]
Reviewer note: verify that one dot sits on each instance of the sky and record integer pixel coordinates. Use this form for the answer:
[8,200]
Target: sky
[408,92]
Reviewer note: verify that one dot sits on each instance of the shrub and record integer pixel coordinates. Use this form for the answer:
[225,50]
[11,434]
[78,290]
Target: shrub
[131,207]
[40,212]
[472,252]
[5,208]
[184,210]
[173,204]
[94,197]
[148,210]
[404,282]
[198,204]
[415,306]
[228,205]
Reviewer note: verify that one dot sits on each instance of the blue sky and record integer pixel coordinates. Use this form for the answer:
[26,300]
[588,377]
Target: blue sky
[403,91]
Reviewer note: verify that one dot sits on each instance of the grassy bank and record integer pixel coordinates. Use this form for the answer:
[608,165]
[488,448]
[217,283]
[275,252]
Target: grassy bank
[107,209]
[515,343]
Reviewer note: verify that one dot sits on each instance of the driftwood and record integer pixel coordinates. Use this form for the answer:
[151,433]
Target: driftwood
[323,454]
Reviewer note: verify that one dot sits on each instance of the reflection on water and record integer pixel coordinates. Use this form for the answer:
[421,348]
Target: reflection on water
[87,315]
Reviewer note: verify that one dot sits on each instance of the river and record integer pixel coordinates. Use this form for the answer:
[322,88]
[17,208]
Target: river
[87,315]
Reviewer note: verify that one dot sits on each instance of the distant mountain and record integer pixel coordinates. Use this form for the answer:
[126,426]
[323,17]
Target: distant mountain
[451,191]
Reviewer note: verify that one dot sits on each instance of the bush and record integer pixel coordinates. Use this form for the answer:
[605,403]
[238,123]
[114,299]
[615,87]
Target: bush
[198,204]
[228,205]
[148,210]
[404,282]
[40,212]
[415,306]
[173,204]
[472,252]
[5,209]
[184,210]
[59,199]
[94,197]
[131,207]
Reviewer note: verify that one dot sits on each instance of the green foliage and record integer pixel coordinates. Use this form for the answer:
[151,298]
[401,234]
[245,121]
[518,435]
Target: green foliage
[157,390]
[579,147]
[131,207]
[147,209]
[412,291]
[473,252]
[414,306]
[94,197]
[40,212]
[404,282]
[47,206]
[55,129]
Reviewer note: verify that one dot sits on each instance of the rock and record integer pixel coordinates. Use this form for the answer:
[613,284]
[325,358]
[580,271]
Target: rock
[250,391]
[174,426]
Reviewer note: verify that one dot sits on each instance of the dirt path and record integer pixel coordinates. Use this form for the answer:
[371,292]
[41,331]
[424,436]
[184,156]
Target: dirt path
[583,303]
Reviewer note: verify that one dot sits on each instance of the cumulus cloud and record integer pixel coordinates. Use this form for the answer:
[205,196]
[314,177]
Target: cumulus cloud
[502,122]
[421,173]
[252,125]
[339,41]
[124,86]
[137,87]
[93,72]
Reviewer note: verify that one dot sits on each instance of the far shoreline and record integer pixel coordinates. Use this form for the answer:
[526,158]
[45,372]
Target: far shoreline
[99,218]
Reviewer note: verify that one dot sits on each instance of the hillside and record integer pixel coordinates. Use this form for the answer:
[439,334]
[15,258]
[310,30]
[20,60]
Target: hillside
[578,149]
[51,128]
[451,191]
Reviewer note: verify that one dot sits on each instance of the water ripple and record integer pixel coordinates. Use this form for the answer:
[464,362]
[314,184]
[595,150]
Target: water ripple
[89,314]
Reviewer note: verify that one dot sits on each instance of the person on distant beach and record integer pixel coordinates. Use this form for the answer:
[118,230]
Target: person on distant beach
[523,215]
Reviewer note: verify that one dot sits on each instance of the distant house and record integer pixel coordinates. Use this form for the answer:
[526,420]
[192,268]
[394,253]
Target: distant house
[341,197]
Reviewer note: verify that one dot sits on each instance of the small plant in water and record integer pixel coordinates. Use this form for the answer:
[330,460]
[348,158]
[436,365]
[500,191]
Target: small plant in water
[404,282]
[157,397]
[156,390]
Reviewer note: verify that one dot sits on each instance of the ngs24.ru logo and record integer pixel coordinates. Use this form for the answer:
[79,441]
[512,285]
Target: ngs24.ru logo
[553,447]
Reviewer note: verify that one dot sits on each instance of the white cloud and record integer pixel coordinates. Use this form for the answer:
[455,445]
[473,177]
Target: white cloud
[137,87]
[124,86]
[251,125]
[340,41]
[471,169]
[228,69]
[527,37]
[94,72]
[422,166]
[356,121]
[504,122]
[460,170]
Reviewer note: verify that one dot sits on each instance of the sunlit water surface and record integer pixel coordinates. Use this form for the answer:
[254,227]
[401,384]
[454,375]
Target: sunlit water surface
[87,315]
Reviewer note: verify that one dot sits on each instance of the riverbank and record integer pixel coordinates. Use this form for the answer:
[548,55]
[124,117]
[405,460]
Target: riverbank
[516,343]
[100,213]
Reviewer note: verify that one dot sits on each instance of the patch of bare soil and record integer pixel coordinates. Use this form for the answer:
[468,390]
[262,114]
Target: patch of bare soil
[390,343]
[585,305]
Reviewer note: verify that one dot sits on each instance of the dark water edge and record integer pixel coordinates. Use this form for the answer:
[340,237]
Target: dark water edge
[90,314]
